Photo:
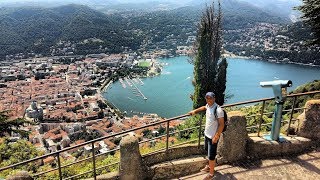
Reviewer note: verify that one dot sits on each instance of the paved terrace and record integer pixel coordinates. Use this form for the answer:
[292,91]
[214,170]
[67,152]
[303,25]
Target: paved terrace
[304,167]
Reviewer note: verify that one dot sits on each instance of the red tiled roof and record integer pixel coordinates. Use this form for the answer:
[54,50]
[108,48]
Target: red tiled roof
[49,159]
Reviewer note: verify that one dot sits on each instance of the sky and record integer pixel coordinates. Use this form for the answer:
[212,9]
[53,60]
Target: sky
[271,4]
[137,1]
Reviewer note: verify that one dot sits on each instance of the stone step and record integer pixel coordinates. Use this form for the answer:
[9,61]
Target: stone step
[178,168]
[239,176]
[169,169]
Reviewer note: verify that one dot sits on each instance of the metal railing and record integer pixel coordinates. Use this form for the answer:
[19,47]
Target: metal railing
[57,154]
[262,112]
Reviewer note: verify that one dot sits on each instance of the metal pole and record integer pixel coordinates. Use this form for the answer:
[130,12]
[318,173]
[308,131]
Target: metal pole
[94,162]
[291,114]
[261,116]
[59,166]
[167,142]
[276,123]
[200,129]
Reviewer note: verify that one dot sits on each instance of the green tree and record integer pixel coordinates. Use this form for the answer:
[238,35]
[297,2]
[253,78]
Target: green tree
[161,130]
[311,15]
[221,81]
[8,126]
[209,70]
[12,153]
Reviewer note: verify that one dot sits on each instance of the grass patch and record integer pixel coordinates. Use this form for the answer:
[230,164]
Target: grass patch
[144,64]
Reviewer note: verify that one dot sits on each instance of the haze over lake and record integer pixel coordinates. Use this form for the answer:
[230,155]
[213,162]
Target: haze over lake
[169,94]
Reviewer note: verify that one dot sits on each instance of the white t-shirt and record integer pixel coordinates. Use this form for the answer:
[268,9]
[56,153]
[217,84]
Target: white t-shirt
[211,121]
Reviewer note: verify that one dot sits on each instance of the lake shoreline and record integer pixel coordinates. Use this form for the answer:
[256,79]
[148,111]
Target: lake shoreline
[267,60]
[168,94]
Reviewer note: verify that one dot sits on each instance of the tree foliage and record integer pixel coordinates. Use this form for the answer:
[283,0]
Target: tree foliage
[221,80]
[15,152]
[37,29]
[8,126]
[311,15]
[301,101]
[28,29]
[208,68]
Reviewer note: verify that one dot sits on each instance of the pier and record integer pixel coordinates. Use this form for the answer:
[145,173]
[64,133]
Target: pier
[144,97]
[141,83]
[135,80]
[122,83]
[128,82]
[105,84]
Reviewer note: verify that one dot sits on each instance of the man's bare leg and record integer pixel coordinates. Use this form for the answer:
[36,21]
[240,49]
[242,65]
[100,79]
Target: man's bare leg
[212,164]
[211,172]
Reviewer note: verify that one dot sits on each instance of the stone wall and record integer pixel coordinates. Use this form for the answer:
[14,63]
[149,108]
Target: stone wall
[131,167]
[174,153]
[310,123]
[258,147]
[177,168]
[22,175]
[232,143]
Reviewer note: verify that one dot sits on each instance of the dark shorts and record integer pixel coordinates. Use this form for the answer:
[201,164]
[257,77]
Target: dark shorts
[210,148]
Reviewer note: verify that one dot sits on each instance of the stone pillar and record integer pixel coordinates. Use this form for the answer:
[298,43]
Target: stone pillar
[310,125]
[21,175]
[232,143]
[131,167]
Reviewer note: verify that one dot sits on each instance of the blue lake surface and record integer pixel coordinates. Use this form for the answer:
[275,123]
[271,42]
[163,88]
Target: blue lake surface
[169,94]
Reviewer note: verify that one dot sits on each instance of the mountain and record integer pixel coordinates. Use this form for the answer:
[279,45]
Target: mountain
[282,8]
[36,29]
[235,14]
[55,3]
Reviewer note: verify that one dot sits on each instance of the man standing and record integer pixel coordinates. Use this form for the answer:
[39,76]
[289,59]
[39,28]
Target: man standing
[213,129]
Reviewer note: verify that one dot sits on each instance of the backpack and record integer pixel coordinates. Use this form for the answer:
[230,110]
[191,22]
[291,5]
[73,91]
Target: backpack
[225,116]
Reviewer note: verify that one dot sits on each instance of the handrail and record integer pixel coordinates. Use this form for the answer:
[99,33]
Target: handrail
[268,99]
[247,102]
[93,141]
[302,94]
[57,153]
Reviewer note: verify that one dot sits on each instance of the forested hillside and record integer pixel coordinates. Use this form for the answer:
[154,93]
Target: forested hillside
[36,29]
[249,31]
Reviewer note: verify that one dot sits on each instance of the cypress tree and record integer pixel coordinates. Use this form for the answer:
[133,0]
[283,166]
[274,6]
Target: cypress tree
[209,70]
[221,81]
[311,15]
[8,126]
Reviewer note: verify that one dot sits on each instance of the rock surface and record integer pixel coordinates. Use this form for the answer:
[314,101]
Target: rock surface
[22,175]
[131,167]
[178,168]
[310,126]
[232,143]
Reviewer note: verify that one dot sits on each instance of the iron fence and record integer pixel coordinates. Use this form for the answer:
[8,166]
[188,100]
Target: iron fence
[93,156]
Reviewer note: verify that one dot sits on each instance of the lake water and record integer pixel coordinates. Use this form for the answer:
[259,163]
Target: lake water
[169,94]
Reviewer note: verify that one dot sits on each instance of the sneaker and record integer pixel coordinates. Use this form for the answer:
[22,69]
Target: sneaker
[206,169]
[209,177]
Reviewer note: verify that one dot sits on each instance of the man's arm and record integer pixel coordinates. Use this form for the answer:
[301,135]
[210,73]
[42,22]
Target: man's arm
[202,108]
[216,137]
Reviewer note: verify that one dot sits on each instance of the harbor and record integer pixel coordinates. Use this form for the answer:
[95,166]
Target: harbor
[122,83]
[141,83]
[133,83]
[136,90]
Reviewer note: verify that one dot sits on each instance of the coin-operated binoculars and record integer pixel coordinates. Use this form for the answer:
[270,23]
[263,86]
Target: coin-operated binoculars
[280,93]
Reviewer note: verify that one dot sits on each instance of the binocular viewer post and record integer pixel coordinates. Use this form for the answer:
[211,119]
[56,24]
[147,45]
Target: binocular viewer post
[279,88]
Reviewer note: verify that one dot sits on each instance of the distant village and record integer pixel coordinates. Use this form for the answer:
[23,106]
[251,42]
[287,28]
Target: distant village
[264,37]
[62,96]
